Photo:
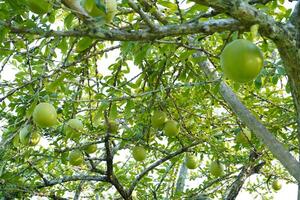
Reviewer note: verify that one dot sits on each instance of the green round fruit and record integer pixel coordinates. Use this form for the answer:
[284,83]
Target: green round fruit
[243,138]
[24,135]
[112,126]
[241,61]
[158,119]
[139,153]
[191,162]
[276,185]
[171,128]
[91,149]
[73,128]
[44,115]
[76,158]
[39,6]
[34,138]
[216,169]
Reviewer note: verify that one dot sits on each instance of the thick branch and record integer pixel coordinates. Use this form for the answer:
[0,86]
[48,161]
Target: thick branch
[277,149]
[206,28]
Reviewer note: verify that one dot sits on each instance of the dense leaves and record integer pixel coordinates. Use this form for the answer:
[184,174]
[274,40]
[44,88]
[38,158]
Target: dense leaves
[116,88]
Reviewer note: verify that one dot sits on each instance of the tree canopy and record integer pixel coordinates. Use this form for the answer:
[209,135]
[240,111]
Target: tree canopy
[129,100]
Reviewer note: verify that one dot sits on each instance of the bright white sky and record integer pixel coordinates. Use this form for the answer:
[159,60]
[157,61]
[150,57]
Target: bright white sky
[288,191]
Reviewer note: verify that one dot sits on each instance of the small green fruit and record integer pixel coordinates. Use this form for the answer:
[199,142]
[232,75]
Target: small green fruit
[158,119]
[91,148]
[139,153]
[44,115]
[216,169]
[112,126]
[24,134]
[171,128]
[191,162]
[76,158]
[39,6]
[34,138]
[276,185]
[73,129]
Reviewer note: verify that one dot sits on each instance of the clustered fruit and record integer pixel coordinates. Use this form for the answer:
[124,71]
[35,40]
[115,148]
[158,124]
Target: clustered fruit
[44,116]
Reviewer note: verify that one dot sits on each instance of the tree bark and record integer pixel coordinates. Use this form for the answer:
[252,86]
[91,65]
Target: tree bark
[181,178]
[276,148]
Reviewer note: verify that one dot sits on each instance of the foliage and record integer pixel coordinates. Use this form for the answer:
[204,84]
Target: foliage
[122,82]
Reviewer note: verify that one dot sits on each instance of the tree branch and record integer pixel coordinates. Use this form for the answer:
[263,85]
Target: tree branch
[206,28]
[277,149]
[73,178]
[157,163]
[246,172]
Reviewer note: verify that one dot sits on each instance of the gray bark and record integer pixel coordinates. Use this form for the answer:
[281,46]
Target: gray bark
[181,178]
[276,148]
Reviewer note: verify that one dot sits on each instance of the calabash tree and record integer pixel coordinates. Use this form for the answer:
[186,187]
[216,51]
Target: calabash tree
[152,75]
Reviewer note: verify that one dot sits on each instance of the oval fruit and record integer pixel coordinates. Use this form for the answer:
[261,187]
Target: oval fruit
[73,128]
[216,169]
[191,162]
[171,128]
[243,138]
[158,119]
[139,153]
[241,61]
[24,135]
[276,185]
[34,138]
[90,149]
[39,6]
[44,115]
[76,158]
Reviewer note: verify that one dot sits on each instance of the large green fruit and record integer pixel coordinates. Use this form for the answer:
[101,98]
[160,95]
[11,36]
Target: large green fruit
[276,185]
[191,162]
[139,153]
[241,60]
[243,138]
[44,115]
[35,138]
[108,11]
[158,119]
[216,169]
[171,128]
[73,129]
[39,6]
[91,148]
[76,158]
